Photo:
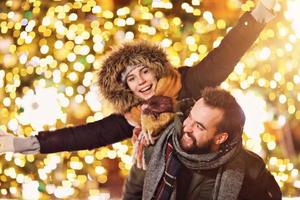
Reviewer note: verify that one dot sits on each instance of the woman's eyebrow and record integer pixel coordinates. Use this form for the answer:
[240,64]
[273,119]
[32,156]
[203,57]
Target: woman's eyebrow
[143,67]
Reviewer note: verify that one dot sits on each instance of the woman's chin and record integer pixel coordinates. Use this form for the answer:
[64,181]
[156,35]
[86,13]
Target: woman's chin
[146,96]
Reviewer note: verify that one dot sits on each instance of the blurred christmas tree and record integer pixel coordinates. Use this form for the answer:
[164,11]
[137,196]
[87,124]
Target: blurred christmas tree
[50,49]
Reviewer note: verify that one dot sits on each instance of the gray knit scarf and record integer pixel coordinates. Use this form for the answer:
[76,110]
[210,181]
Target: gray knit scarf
[231,167]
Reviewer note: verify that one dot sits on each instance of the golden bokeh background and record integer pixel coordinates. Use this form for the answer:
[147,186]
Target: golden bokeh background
[51,49]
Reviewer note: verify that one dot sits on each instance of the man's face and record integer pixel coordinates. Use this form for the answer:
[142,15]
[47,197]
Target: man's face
[199,129]
[142,82]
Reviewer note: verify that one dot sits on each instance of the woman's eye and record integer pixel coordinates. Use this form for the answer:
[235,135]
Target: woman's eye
[130,79]
[145,71]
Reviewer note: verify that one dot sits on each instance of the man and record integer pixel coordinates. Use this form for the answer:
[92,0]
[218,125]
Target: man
[203,158]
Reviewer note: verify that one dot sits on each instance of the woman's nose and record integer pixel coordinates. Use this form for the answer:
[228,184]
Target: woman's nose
[141,80]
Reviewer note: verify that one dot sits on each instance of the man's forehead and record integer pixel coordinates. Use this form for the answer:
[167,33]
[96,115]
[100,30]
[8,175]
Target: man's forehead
[202,111]
[199,104]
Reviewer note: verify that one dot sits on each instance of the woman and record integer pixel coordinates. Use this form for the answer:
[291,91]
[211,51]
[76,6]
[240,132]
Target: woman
[119,83]
[133,73]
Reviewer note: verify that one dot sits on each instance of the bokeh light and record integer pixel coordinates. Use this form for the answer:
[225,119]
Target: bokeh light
[49,51]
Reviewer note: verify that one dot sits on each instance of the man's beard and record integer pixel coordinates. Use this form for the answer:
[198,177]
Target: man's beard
[194,149]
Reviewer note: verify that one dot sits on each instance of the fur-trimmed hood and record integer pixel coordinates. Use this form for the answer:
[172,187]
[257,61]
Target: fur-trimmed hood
[136,53]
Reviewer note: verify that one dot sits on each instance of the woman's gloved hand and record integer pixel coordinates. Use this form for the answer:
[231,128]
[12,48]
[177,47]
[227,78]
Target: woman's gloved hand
[269,4]
[6,142]
[11,143]
[263,12]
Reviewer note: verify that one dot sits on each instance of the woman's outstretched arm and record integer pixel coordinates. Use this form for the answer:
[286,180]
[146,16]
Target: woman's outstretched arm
[109,130]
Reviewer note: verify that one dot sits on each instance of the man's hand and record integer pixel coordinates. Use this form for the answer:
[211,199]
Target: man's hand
[6,142]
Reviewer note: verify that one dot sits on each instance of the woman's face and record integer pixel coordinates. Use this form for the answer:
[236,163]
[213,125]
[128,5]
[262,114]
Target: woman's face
[142,82]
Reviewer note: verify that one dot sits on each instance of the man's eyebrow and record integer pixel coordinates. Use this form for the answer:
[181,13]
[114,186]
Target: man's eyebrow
[199,123]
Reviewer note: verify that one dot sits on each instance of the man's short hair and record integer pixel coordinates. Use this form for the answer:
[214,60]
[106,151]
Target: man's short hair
[233,118]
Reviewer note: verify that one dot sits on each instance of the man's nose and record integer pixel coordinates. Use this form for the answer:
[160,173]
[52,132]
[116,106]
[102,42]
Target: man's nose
[187,125]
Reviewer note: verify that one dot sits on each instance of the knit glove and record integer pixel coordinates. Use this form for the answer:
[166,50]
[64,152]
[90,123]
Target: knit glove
[263,12]
[139,144]
[140,141]
[6,142]
[139,152]
[10,143]
[269,4]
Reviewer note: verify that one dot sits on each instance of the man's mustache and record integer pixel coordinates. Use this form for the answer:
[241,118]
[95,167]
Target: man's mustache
[190,136]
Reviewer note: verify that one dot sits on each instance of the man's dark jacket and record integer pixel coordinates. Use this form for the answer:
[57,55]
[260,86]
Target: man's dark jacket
[258,182]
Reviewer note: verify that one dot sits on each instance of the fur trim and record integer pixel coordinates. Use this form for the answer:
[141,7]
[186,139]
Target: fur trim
[136,53]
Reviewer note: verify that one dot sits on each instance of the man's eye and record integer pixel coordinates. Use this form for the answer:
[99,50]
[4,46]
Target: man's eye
[199,127]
